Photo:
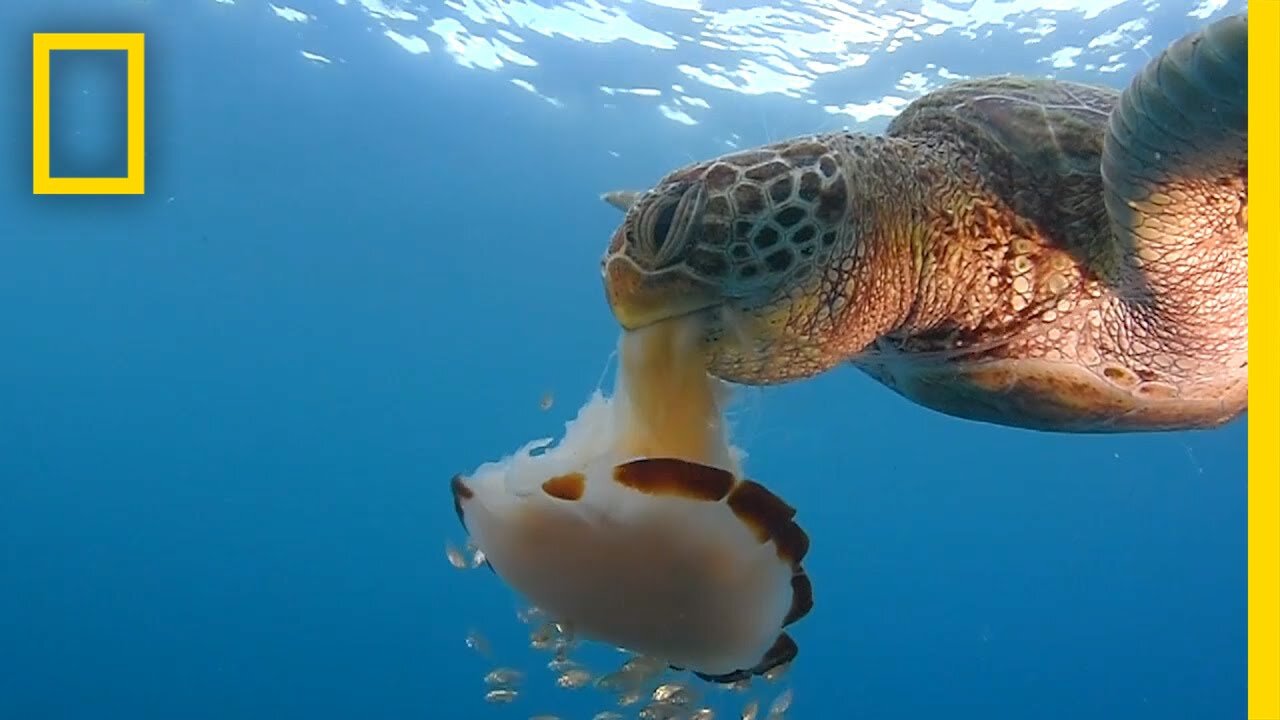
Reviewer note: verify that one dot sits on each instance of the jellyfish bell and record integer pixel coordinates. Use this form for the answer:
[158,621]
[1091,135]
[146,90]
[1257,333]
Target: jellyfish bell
[667,558]
[637,528]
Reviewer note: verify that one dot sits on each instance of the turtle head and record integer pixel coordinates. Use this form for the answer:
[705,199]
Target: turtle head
[738,240]
[653,269]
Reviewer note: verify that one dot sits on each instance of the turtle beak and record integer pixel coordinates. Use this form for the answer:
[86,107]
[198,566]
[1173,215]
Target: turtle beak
[639,298]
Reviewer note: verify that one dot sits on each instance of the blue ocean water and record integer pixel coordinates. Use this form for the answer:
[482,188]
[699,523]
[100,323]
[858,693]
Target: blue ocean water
[230,408]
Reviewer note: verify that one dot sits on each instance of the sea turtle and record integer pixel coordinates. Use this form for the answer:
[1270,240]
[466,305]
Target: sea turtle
[1022,251]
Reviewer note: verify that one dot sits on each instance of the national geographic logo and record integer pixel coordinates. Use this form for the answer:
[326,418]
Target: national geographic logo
[42,46]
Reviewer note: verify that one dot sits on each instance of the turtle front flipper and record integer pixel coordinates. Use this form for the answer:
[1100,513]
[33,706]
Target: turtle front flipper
[1174,166]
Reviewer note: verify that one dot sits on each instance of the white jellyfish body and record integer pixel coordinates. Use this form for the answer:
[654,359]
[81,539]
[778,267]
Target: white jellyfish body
[638,530]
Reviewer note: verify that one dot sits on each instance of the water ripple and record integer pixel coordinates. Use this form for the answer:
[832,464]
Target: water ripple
[874,56]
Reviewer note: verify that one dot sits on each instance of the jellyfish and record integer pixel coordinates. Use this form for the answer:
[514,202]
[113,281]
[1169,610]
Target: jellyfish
[638,528]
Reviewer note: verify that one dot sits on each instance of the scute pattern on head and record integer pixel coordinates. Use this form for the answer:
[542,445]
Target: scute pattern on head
[767,212]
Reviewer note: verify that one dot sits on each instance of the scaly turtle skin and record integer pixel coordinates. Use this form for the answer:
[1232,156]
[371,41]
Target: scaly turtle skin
[1020,251]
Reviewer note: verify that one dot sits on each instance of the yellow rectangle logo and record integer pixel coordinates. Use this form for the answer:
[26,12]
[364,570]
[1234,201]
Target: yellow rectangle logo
[42,45]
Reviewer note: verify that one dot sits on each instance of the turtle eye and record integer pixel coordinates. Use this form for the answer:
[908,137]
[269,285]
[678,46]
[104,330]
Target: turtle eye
[665,228]
[662,227]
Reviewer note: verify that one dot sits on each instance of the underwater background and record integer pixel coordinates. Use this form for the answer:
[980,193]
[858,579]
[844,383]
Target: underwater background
[368,254]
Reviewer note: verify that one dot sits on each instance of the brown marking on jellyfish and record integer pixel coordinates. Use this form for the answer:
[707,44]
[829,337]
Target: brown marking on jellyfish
[724,679]
[461,493]
[763,512]
[769,517]
[566,487]
[801,598]
[675,478]
[792,543]
[783,651]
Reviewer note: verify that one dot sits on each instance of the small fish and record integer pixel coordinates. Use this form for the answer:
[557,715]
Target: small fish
[751,710]
[504,677]
[560,664]
[631,697]
[739,686]
[548,399]
[574,679]
[501,696]
[477,642]
[543,636]
[455,556]
[644,666]
[673,693]
[620,681]
[703,714]
[781,704]
[607,715]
